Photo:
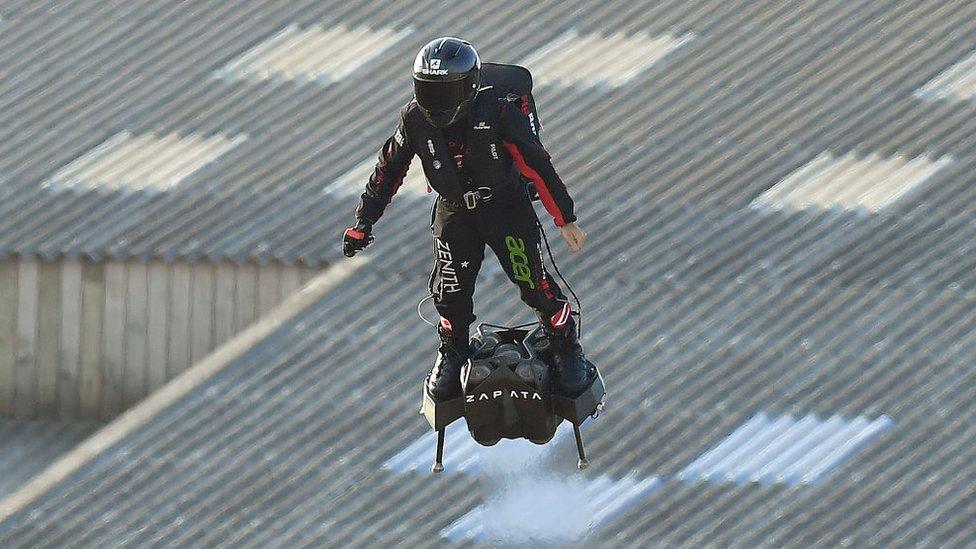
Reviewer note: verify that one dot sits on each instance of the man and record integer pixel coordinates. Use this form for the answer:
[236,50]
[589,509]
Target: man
[475,131]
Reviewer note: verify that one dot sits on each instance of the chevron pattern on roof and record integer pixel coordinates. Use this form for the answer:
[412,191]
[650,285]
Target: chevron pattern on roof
[313,54]
[851,182]
[143,162]
[784,450]
[956,83]
[595,60]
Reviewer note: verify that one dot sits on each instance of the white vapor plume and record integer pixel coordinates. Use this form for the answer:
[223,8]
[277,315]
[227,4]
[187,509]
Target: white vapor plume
[531,501]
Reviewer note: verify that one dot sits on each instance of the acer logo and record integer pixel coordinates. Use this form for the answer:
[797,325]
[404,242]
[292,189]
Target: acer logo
[520,261]
[494,395]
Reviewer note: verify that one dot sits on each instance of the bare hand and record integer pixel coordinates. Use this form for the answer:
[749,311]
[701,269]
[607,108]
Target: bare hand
[574,236]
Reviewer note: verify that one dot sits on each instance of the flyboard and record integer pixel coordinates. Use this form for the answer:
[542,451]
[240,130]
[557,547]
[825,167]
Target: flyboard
[509,391]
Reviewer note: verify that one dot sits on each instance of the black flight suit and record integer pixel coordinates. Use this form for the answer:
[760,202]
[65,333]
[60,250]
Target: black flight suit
[477,167]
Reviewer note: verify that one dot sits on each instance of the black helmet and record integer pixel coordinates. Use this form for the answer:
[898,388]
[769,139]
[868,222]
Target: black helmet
[446,77]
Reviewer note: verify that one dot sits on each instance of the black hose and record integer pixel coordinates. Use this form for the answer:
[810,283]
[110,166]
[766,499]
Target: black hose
[420,313]
[516,327]
[555,266]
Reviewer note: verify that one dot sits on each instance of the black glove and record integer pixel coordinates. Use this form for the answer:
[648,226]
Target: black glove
[356,238]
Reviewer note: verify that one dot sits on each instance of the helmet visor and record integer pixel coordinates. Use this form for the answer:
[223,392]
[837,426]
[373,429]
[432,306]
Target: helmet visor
[439,98]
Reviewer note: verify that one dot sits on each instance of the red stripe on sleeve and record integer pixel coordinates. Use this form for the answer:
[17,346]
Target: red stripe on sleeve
[540,184]
[396,182]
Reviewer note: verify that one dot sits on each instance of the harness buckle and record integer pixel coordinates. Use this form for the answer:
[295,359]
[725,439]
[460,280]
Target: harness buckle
[473,198]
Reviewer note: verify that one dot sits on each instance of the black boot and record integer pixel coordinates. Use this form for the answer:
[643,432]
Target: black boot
[573,372]
[444,380]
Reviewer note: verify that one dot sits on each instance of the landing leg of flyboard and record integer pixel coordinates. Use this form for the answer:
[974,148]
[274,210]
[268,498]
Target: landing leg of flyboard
[438,465]
[582,463]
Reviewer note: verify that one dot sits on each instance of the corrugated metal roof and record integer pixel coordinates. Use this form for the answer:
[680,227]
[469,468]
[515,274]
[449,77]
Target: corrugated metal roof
[702,311]
[957,83]
[27,447]
[315,53]
[142,162]
[867,184]
[599,60]
[785,449]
